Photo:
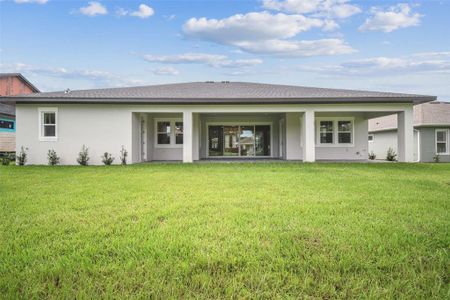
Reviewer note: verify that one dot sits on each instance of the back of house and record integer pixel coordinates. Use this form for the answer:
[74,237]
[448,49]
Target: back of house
[209,121]
[431,133]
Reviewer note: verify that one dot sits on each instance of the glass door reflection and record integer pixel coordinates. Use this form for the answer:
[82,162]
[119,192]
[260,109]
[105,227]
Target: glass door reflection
[231,141]
[247,140]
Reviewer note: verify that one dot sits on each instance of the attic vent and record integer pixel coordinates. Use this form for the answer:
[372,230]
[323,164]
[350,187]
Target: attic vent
[67,91]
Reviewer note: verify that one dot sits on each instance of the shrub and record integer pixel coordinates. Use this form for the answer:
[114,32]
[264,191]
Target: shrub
[83,156]
[53,158]
[391,155]
[22,157]
[123,156]
[107,159]
[6,159]
[437,158]
[372,155]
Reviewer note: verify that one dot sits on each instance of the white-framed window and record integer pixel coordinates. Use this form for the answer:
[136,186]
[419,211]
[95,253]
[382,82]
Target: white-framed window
[48,124]
[326,135]
[371,137]
[168,133]
[442,143]
[335,131]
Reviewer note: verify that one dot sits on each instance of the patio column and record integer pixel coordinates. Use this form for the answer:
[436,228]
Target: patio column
[188,125]
[308,142]
[405,135]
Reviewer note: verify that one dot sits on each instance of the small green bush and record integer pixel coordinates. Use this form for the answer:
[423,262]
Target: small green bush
[107,159]
[6,159]
[83,156]
[53,158]
[391,155]
[123,156]
[437,158]
[22,157]
[372,155]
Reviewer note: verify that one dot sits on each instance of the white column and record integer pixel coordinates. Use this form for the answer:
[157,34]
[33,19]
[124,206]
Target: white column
[196,137]
[187,136]
[308,142]
[405,135]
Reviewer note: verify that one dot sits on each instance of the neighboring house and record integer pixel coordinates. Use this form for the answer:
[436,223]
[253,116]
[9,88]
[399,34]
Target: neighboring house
[11,84]
[210,120]
[431,133]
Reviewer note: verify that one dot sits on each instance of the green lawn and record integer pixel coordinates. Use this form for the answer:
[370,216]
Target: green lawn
[225,231]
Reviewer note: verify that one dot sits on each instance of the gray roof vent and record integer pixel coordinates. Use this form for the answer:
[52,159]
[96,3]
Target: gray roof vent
[67,91]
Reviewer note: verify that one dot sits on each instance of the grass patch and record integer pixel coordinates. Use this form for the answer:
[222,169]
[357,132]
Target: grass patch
[225,230]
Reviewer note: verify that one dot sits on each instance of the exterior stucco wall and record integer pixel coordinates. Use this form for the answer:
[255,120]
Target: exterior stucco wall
[428,144]
[293,144]
[165,153]
[102,128]
[359,149]
[382,141]
[106,127]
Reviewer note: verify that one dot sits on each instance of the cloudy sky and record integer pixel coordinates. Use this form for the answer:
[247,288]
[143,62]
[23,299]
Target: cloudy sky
[371,45]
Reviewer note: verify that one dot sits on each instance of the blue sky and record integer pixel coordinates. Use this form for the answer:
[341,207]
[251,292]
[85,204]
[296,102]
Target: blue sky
[372,45]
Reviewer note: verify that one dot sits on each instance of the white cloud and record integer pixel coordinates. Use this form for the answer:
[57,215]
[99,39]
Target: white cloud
[94,8]
[332,8]
[434,62]
[262,32]
[212,60]
[103,78]
[170,17]
[166,71]
[144,12]
[251,26]
[298,48]
[396,17]
[31,1]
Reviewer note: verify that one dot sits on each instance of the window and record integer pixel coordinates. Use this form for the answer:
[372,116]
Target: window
[442,141]
[7,125]
[179,133]
[345,132]
[371,136]
[168,133]
[163,131]
[326,132]
[335,131]
[48,124]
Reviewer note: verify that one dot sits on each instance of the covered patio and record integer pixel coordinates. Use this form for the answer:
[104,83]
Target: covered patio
[300,133]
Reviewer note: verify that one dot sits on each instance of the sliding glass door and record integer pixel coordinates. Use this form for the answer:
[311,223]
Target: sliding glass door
[239,140]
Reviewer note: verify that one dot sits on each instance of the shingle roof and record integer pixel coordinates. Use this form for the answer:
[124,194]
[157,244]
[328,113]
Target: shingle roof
[427,114]
[220,92]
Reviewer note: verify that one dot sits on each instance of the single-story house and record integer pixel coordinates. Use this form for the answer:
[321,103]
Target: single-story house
[11,84]
[431,133]
[210,120]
